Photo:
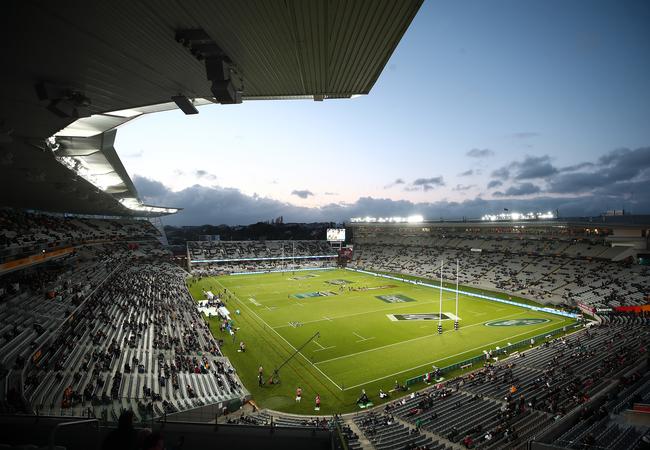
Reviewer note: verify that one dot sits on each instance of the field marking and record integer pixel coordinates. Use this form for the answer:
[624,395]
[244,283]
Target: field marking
[382,309]
[438,360]
[413,339]
[399,305]
[298,304]
[281,337]
[361,338]
[326,348]
[321,346]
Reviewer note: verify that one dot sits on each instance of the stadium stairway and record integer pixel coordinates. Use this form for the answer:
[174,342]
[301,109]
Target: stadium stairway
[385,433]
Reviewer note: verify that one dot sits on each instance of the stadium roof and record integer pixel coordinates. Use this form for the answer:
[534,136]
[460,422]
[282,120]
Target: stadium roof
[64,61]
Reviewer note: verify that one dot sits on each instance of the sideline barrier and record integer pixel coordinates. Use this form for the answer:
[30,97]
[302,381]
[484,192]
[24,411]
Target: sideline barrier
[481,358]
[471,294]
[270,258]
[34,259]
[283,270]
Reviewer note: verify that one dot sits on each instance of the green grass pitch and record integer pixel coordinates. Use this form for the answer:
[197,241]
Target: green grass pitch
[373,332]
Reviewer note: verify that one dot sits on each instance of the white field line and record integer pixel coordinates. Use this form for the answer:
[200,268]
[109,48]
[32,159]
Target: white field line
[361,338]
[414,339]
[281,337]
[438,360]
[327,318]
[321,346]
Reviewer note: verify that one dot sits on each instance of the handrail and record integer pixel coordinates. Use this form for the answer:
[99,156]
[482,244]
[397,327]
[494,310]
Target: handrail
[52,438]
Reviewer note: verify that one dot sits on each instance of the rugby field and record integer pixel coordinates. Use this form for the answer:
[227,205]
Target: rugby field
[373,331]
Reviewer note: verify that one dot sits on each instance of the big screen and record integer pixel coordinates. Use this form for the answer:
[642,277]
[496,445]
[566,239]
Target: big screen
[336,234]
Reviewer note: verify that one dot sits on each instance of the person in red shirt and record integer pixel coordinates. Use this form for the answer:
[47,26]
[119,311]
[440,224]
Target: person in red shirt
[317,401]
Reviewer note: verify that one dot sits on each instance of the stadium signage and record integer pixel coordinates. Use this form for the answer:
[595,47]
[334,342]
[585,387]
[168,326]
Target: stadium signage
[515,322]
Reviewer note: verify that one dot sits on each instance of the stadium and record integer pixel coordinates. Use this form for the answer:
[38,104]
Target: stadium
[517,330]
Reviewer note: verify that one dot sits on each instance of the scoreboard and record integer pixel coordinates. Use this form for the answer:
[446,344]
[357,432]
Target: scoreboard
[336,234]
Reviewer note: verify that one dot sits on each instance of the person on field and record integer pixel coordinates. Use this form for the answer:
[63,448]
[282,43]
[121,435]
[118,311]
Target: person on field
[298,394]
[317,401]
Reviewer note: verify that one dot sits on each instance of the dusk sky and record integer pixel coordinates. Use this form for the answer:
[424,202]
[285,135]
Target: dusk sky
[484,105]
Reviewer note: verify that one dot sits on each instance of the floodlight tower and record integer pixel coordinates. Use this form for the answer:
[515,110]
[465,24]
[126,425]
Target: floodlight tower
[456,319]
[440,315]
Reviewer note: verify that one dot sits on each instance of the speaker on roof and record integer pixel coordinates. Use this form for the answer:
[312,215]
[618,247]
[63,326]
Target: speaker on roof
[217,69]
[219,73]
[225,92]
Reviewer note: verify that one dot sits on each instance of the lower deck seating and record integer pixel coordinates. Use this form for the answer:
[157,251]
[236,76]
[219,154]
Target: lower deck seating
[139,343]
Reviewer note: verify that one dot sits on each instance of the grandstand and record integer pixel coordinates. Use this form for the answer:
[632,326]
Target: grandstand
[562,262]
[99,327]
[225,257]
[95,319]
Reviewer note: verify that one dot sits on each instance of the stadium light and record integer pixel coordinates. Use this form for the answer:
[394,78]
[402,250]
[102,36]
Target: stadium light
[135,205]
[416,218]
[519,216]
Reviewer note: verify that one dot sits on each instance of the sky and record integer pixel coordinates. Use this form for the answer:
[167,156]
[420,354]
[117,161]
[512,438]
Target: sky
[524,105]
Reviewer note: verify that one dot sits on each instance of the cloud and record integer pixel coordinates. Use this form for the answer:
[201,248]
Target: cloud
[137,154]
[219,205]
[524,135]
[147,187]
[467,173]
[575,167]
[519,190]
[427,184]
[204,175]
[613,172]
[494,184]
[331,193]
[463,187]
[394,183]
[502,173]
[532,167]
[480,153]
[304,193]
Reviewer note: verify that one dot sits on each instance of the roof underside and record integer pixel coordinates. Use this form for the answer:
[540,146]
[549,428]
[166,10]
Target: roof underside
[123,54]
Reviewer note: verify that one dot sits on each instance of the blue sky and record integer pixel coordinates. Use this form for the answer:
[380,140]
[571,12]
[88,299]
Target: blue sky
[548,103]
